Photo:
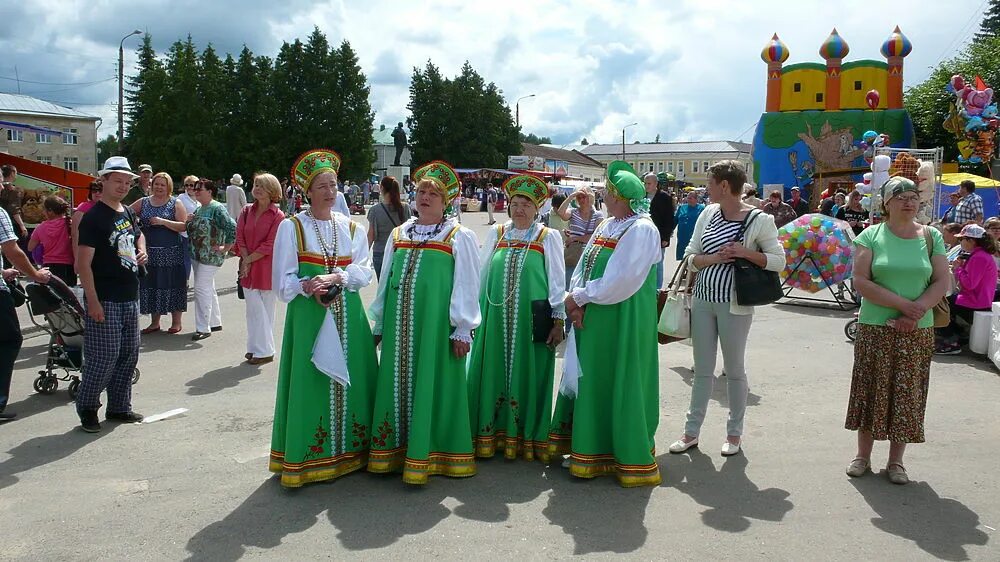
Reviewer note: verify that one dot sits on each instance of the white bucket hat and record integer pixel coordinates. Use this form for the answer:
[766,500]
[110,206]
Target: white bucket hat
[117,164]
[236,180]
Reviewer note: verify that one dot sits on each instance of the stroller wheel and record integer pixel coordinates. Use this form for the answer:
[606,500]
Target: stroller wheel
[74,386]
[135,376]
[46,385]
[851,329]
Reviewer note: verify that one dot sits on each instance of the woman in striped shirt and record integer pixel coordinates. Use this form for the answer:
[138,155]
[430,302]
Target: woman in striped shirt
[726,230]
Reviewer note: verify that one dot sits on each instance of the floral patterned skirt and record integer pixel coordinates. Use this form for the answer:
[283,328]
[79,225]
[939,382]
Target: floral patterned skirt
[889,383]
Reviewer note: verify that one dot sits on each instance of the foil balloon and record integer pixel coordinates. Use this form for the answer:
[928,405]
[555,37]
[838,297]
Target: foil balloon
[819,251]
[872,98]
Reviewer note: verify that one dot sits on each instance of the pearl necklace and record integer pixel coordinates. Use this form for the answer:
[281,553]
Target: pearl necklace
[327,253]
[522,248]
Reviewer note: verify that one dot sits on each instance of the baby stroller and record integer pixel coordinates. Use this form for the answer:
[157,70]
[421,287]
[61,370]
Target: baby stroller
[60,307]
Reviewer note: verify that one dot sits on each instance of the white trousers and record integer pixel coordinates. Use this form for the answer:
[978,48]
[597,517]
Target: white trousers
[260,322]
[207,313]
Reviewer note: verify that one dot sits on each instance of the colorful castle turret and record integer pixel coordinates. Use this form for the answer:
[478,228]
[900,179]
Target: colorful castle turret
[833,50]
[774,54]
[895,48]
[838,84]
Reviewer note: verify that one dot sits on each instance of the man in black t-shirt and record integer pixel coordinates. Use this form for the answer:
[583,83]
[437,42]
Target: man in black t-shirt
[661,211]
[111,252]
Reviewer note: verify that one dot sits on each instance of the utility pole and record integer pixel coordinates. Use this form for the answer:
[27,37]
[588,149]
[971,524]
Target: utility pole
[121,88]
[517,109]
[623,138]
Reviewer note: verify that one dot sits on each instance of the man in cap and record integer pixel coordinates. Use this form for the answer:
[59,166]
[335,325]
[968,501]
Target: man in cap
[142,187]
[797,203]
[111,251]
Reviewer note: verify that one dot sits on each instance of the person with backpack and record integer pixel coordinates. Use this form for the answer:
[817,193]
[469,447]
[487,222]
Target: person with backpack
[383,218]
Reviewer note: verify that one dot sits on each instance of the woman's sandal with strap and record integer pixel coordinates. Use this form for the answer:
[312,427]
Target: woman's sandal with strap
[897,473]
[858,467]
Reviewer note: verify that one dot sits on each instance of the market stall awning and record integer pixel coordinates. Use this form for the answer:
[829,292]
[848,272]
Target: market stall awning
[957,178]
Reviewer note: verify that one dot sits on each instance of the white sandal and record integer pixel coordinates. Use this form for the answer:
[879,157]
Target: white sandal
[858,467]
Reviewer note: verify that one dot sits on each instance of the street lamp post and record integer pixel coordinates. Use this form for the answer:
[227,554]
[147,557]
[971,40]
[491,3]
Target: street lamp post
[517,108]
[121,88]
[623,138]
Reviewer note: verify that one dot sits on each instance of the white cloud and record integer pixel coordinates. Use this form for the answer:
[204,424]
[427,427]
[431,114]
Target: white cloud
[685,71]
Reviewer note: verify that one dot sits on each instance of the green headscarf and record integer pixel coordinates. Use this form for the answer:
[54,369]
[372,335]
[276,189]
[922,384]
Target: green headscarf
[623,182]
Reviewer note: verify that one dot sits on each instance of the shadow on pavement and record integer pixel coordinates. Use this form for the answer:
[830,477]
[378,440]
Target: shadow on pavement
[33,357]
[600,515]
[39,451]
[732,499]
[970,360]
[38,403]
[221,379]
[719,390]
[170,342]
[371,511]
[939,526]
[819,310]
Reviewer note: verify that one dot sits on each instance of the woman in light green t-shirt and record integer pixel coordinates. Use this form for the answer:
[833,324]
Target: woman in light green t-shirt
[901,271]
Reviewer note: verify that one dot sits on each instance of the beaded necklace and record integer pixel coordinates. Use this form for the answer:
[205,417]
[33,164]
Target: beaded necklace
[412,261]
[327,253]
[520,251]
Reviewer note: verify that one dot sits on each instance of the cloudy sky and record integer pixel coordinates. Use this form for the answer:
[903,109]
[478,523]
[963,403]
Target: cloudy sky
[684,70]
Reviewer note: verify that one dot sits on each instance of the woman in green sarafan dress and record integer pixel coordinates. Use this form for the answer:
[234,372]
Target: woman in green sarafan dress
[510,373]
[608,404]
[425,311]
[326,377]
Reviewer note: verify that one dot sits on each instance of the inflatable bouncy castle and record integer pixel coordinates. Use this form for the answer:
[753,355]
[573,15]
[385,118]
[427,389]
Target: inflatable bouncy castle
[824,121]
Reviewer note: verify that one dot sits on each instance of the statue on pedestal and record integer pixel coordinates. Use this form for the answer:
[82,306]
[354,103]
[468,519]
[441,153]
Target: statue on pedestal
[399,140]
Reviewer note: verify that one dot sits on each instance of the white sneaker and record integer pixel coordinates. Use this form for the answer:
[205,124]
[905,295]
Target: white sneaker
[565,463]
[680,445]
[728,449]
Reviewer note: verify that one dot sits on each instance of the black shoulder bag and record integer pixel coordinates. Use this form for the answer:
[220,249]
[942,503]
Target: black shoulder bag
[754,285]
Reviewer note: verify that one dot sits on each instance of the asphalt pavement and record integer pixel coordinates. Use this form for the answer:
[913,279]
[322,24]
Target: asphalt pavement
[196,486]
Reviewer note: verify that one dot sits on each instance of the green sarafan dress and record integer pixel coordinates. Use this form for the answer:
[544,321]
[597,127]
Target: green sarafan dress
[421,416]
[609,427]
[321,428]
[510,375]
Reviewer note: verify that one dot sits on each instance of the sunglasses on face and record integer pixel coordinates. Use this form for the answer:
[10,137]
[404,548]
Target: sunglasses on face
[907,198]
[189,185]
[199,188]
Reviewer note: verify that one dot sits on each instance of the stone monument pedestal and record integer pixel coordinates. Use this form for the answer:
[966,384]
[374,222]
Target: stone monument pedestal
[401,173]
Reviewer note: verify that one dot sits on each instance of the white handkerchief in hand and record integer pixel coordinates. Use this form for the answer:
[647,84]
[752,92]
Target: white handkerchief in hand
[328,353]
[571,368]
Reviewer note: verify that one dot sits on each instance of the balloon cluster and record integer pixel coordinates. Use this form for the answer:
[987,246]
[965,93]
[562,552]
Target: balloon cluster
[871,140]
[827,241]
[973,119]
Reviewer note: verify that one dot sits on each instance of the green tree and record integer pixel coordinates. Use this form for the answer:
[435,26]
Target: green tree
[144,108]
[428,114]
[584,141]
[929,102]
[106,147]
[213,91]
[350,119]
[464,121]
[531,138]
[990,26]
[287,87]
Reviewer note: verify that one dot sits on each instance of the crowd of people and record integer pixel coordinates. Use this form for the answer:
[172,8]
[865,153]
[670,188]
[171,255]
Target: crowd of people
[455,357]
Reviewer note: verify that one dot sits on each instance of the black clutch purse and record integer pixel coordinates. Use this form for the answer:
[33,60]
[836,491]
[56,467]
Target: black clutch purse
[541,320]
[331,293]
[755,285]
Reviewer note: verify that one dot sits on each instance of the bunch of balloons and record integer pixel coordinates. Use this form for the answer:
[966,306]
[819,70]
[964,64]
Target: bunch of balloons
[973,119]
[828,241]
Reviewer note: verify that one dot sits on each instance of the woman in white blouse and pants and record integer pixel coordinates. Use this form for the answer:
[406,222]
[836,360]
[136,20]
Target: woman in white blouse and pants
[720,236]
